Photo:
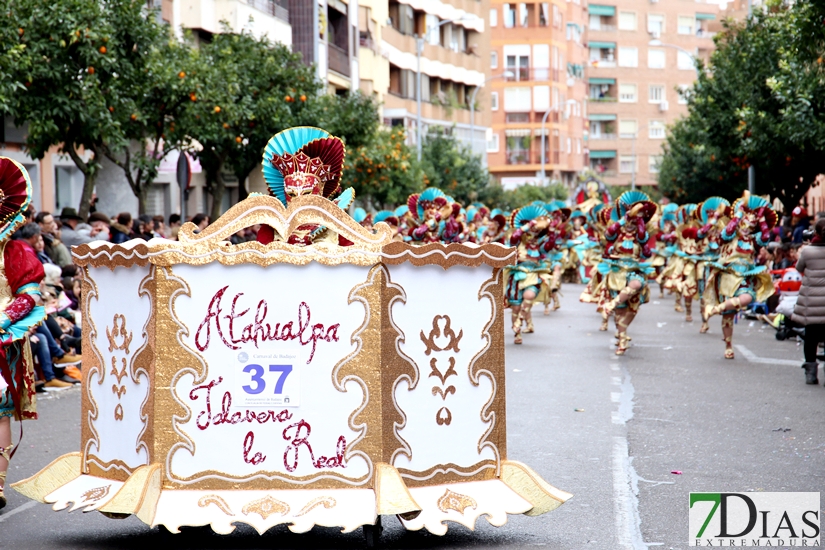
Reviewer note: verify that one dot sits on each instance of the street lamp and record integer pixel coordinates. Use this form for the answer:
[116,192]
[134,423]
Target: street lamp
[505,74]
[656,43]
[544,137]
[419,49]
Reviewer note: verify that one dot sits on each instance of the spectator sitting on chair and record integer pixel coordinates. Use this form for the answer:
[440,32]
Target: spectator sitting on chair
[53,248]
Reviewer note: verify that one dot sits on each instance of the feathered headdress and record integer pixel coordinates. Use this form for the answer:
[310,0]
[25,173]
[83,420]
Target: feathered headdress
[430,197]
[749,204]
[15,196]
[628,200]
[526,214]
[303,161]
[707,208]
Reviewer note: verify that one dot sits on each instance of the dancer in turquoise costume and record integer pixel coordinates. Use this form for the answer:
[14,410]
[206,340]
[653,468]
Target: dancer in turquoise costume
[625,266]
[305,161]
[524,279]
[665,242]
[734,279]
[556,248]
[713,214]
[20,276]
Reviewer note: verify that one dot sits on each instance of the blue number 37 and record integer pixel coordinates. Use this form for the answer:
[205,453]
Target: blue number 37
[257,376]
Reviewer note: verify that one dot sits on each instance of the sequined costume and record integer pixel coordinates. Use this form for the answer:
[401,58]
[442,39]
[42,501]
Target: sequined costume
[734,280]
[20,276]
[625,267]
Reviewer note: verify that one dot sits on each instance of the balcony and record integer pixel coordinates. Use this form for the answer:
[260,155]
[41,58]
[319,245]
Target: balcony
[603,137]
[526,74]
[517,157]
[275,8]
[602,28]
[605,99]
[512,118]
[339,60]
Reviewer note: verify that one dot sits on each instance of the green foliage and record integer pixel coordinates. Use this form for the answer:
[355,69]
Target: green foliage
[246,90]
[525,194]
[384,171]
[763,103]
[353,117]
[65,55]
[452,167]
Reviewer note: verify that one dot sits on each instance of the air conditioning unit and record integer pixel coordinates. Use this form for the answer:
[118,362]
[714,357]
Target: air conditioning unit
[664,106]
[655,34]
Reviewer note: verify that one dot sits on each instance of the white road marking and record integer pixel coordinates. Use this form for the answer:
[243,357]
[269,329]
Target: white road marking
[21,508]
[628,520]
[753,358]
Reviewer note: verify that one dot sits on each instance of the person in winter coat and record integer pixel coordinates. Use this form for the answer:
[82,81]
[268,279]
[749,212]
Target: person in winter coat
[120,232]
[810,306]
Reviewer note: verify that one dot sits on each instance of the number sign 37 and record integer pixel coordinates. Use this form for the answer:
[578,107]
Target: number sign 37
[267,378]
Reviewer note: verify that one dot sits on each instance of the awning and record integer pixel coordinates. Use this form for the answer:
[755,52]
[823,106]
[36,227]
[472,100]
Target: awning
[602,80]
[706,16]
[593,44]
[604,154]
[517,132]
[537,132]
[598,9]
[599,116]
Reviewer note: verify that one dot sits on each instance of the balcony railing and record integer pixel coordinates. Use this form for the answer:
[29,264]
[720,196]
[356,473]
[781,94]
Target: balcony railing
[603,99]
[603,28]
[602,136]
[525,74]
[518,157]
[275,8]
[517,117]
[339,60]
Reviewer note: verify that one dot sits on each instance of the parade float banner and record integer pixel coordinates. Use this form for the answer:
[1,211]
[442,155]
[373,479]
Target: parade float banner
[268,384]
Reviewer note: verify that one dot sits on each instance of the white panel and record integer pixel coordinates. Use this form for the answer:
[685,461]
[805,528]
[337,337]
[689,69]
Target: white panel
[517,49]
[432,292]
[266,297]
[117,395]
[541,56]
[517,100]
[541,98]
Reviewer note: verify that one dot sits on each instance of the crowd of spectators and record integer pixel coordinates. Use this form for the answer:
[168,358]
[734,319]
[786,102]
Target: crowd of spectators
[56,343]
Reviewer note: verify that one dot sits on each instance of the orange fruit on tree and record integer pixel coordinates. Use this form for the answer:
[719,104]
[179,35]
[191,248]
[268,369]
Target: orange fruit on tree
[217,109]
[133,117]
[91,70]
[303,97]
[238,139]
[181,74]
[288,99]
[225,125]
[111,109]
[193,97]
[102,49]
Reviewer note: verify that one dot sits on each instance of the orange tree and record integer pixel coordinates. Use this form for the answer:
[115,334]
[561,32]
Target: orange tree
[247,90]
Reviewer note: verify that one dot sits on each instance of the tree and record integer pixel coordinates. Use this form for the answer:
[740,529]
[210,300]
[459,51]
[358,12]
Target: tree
[156,75]
[452,167]
[247,90]
[353,117]
[383,172]
[61,58]
[761,104]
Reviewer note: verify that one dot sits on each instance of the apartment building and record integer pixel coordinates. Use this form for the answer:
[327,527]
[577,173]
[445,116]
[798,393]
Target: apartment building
[641,55]
[374,68]
[537,91]
[453,62]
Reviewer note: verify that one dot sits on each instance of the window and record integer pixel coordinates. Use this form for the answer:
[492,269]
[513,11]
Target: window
[657,94]
[406,20]
[509,15]
[653,163]
[569,146]
[628,57]
[493,143]
[684,61]
[627,164]
[493,17]
[595,22]
[628,129]
[558,18]
[431,30]
[544,14]
[517,100]
[519,65]
[684,91]
[628,93]
[655,24]
[578,146]
[494,60]
[627,21]
[656,129]
[523,17]
[685,25]
[494,101]
[655,59]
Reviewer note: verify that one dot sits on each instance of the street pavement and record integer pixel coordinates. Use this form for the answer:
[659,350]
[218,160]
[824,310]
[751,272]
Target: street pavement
[610,430]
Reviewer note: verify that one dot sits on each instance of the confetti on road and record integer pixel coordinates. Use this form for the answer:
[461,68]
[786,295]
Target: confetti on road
[677,472]
[516,370]
[660,325]
[578,410]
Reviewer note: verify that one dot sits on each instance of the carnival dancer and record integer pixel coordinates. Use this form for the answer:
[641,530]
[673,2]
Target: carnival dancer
[595,292]
[665,242]
[431,208]
[529,225]
[495,230]
[305,161]
[20,276]
[713,214]
[581,244]
[556,250]
[734,280]
[671,275]
[625,267]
